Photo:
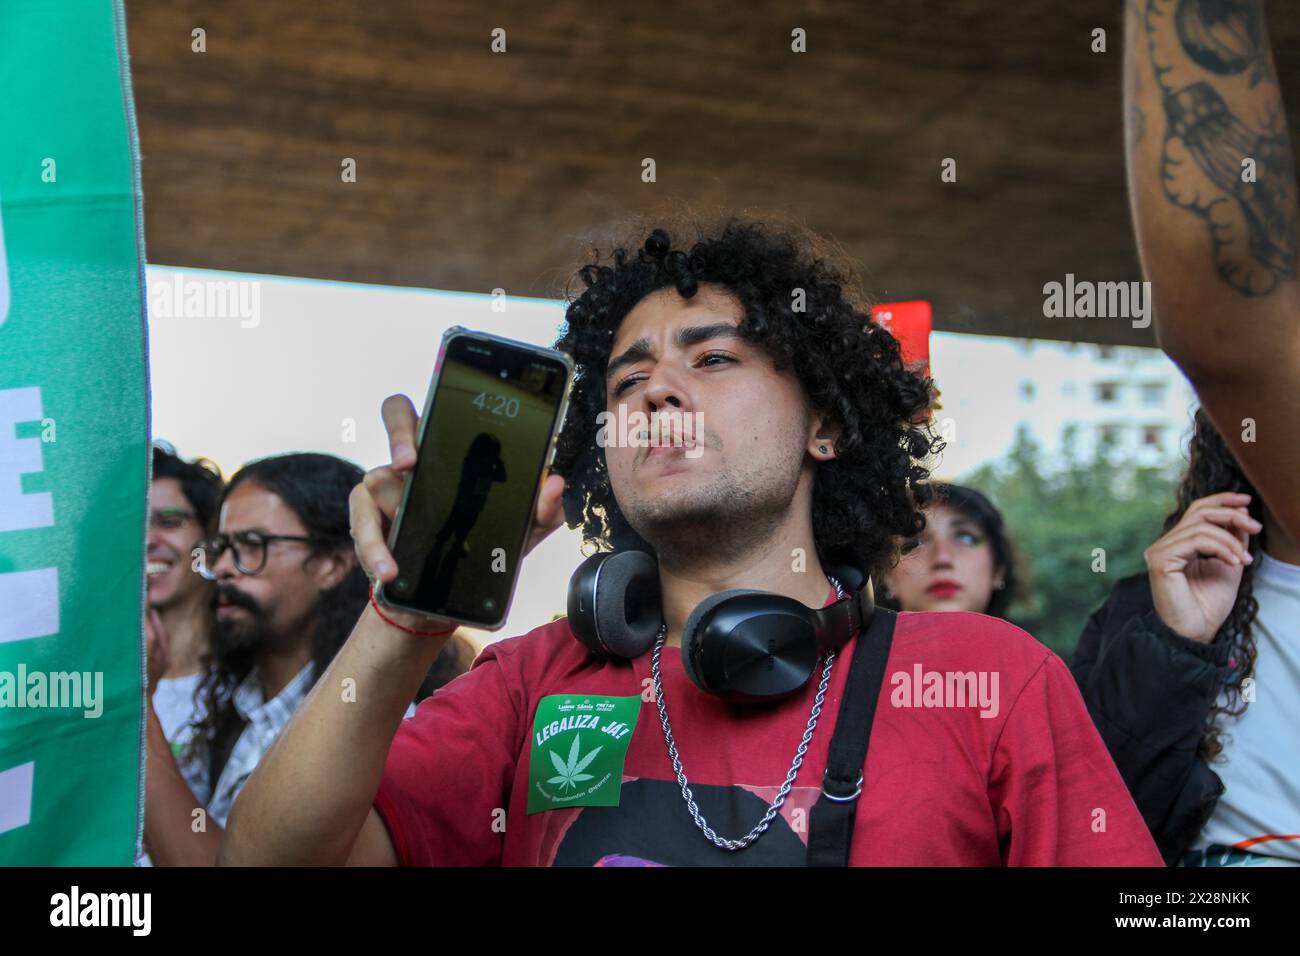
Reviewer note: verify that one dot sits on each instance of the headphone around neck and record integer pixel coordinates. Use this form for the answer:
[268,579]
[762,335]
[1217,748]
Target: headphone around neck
[742,645]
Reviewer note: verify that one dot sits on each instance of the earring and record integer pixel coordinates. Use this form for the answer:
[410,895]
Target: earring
[823,448]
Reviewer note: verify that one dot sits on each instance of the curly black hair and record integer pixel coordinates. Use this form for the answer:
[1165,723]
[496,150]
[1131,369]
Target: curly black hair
[1212,469]
[867,497]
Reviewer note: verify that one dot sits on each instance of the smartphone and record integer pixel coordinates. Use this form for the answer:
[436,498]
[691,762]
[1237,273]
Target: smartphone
[490,423]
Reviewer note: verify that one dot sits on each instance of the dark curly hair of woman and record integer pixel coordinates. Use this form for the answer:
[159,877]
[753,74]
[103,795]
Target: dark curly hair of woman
[867,497]
[1211,469]
[975,505]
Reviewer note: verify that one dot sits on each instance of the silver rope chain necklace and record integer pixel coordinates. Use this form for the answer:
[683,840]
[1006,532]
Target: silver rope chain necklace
[775,808]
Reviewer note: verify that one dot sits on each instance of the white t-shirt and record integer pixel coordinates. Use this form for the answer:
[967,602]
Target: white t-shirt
[173,699]
[1260,765]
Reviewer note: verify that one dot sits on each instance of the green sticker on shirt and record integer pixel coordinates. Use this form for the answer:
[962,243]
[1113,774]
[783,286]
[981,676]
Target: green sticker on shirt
[579,745]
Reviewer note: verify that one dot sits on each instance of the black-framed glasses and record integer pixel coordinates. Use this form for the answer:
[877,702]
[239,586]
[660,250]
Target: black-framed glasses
[248,547]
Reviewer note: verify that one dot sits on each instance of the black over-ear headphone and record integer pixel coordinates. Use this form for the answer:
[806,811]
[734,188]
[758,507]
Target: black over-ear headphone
[742,645]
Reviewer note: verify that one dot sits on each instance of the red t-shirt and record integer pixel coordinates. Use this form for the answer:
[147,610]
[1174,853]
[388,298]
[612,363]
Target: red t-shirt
[1030,783]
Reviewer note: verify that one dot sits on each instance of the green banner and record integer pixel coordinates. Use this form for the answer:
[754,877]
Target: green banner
[74,438]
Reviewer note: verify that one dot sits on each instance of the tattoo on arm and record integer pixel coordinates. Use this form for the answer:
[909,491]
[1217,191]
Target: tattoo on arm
[1224,36]
[1226,154]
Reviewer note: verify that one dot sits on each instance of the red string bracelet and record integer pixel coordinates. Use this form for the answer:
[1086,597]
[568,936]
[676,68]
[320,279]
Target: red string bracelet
[402,627]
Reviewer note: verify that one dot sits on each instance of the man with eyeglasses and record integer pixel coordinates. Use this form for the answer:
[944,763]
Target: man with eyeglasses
[288,590]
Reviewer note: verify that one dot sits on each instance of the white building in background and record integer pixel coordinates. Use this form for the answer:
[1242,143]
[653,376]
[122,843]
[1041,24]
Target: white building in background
[1131,402]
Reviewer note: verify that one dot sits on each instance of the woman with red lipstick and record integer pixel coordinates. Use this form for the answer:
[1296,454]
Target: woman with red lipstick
[962,561]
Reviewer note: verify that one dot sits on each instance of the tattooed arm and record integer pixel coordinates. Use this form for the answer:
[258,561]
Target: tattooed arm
[1212,186]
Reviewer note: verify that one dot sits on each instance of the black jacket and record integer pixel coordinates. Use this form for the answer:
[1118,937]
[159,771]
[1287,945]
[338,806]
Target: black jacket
[1149,691]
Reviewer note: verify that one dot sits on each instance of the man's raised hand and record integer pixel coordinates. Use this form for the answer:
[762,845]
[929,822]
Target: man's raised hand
[374,502]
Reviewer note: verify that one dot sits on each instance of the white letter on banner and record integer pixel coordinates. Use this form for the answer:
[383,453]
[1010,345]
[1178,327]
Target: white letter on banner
[29,604]
[29,599]
[18,457]
[16,796]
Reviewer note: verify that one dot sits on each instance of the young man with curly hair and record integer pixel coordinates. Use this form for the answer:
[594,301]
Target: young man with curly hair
[807,448]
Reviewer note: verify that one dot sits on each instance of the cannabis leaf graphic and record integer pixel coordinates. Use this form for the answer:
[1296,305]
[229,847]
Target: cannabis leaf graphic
[570,774]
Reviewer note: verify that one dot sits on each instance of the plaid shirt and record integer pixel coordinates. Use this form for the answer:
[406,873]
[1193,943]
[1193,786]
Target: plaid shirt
[265,719]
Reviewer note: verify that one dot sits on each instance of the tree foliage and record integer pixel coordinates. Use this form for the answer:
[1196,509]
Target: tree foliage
[1077,529]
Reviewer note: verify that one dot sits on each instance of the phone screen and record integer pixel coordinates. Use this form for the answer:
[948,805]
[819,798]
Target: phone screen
[473,489]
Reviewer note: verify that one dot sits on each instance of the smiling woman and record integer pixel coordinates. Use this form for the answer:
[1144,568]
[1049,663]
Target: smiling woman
[183,501]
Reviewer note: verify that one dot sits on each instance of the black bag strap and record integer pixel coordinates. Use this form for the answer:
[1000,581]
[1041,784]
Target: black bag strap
[830,826]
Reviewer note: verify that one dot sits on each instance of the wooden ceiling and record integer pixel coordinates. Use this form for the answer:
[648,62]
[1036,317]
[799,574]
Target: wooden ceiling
[478,170]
